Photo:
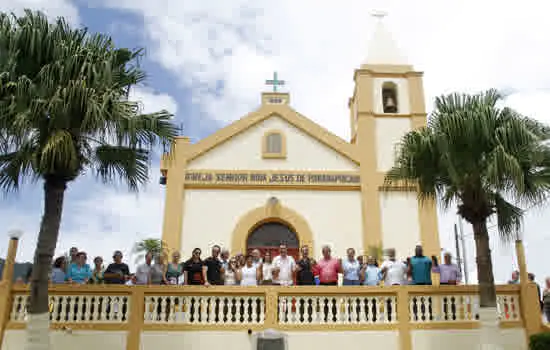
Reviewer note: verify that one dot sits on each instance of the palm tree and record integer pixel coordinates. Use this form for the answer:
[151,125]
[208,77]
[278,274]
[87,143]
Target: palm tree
[148,245]
[487,159]
[64,112]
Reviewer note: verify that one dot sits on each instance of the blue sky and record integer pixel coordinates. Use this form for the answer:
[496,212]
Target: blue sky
[207,61]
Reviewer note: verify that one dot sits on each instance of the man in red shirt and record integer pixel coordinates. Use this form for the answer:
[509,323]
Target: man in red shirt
[328,268]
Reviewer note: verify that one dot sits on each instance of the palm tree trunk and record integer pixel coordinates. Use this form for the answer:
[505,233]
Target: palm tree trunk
[487,290]
[38,323]
[490,335]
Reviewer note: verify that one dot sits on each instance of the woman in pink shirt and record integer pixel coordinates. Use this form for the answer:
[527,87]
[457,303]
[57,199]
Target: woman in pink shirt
[328,269]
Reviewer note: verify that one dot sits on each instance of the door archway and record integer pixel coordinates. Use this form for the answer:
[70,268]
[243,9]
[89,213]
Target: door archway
[264,214]
[268,236]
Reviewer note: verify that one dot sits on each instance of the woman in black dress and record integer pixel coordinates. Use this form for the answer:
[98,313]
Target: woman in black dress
[193,269]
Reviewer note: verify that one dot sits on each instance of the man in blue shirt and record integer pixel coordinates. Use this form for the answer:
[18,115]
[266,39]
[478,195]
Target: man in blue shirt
[420,268]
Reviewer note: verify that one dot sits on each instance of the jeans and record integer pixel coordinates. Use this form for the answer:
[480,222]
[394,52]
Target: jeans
[351,282]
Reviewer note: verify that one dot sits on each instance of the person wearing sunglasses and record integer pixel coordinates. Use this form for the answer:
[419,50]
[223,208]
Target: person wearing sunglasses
[193,269]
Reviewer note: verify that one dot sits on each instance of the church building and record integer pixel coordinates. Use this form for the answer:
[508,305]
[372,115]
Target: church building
[276,176]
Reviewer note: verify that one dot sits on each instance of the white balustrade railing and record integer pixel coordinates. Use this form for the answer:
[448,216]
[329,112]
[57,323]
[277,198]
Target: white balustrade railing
[460,307]
[260,307]
[335,309]
[77,308]
[204,310]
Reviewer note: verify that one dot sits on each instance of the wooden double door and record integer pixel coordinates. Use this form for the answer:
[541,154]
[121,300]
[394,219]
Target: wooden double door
[270,235]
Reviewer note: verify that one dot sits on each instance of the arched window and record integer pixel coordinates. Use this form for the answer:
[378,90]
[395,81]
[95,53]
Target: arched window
[274,145]
[389,97]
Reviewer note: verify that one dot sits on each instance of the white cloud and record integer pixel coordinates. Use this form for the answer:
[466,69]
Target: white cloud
[52,8]
[152,101]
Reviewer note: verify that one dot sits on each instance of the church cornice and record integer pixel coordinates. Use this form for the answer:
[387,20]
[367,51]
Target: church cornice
[387,71]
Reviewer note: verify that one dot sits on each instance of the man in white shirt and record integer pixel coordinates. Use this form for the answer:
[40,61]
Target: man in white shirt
[256,258]
[283,268]
[143,271]
[394,273]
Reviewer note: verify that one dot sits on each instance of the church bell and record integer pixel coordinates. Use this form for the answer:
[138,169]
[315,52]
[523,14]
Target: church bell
[389,105]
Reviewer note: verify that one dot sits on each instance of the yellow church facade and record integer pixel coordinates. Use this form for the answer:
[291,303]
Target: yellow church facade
[274,173]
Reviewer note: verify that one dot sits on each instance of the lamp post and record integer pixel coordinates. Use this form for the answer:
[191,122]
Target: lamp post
[522,265]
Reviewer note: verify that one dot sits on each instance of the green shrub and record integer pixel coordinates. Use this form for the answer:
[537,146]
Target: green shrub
[540,341]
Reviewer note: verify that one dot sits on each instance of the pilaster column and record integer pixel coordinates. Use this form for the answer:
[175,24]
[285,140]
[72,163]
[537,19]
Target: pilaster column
[529,298]
[174,164]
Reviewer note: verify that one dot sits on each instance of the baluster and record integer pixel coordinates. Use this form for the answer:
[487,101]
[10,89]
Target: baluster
[221,307]
[53,308]
[69,308]
[362,310]
[186,309]
[238,313]
[195,308]
[294,309]
[87,308]
[261,318]
[314,310]
[282,310]
[147,317]
[174,309]
[380,310]
[211,302]
[393,303]
[330,310]
[254,310]
[515,307]
[412,308]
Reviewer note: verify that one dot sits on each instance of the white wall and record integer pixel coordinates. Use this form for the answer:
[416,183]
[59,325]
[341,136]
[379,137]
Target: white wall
[510,339]
[387,340]
[403,97]
[244,151]
[81,340]
[210,216]
[389,132]
[400,222]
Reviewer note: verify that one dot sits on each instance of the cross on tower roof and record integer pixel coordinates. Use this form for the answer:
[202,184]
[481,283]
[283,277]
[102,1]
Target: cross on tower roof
[275,82]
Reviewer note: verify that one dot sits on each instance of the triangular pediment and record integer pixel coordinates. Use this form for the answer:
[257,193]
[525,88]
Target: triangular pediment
[287,115]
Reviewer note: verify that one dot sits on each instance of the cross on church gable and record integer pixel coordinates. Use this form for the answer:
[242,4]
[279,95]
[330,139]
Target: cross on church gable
[275,82]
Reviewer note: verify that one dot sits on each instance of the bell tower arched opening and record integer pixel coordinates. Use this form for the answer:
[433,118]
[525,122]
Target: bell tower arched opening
[389,97]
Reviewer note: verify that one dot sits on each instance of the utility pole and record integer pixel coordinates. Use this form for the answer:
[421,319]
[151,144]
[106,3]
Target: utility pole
[458,258]
[461,229]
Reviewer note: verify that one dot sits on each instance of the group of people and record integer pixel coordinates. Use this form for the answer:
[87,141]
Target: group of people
[254,269]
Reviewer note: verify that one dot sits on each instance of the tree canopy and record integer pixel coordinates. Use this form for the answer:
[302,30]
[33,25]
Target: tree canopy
[476,153]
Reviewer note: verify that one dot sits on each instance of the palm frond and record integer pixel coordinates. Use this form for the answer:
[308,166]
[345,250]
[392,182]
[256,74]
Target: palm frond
[509,218]
[118,162]
[67,91]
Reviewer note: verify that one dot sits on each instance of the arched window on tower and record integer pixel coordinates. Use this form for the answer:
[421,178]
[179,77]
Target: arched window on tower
[389,97]
[274,144]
